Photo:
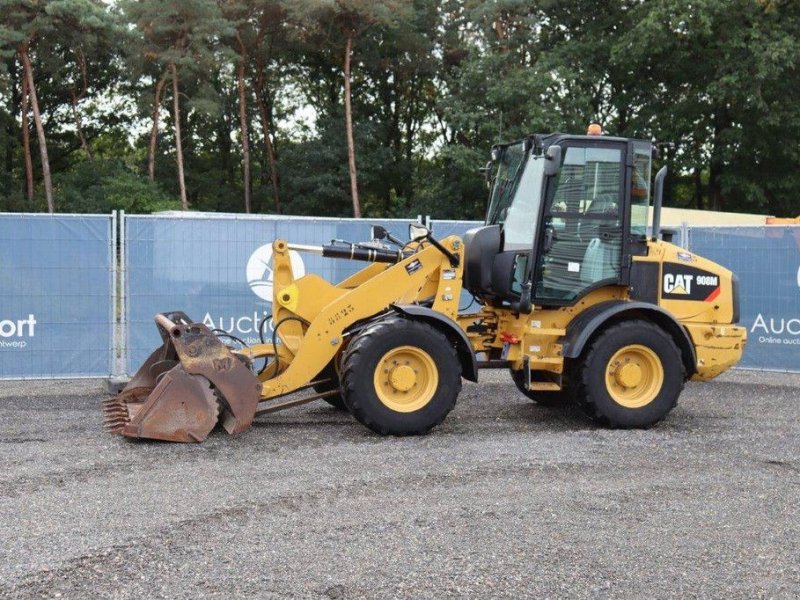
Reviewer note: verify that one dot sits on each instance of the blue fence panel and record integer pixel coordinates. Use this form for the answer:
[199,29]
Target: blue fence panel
[217,269]
[442,228]
[767,262]
[56,296]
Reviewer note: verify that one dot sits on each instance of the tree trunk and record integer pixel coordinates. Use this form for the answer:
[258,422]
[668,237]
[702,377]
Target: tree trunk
[79,128]
[243,124]
[176,106]
[714,187]
[26,140]
[14,101]
[37,119]
[268,147]
[266,126]
[151,154]
[698,188]
[76,98]
[716,168]
[348,117]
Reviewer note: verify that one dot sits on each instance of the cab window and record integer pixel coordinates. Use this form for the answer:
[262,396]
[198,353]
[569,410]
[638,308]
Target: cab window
[584,216]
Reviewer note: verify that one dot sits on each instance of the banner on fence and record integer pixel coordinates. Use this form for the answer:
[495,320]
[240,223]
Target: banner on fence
[56,296]
[767,262]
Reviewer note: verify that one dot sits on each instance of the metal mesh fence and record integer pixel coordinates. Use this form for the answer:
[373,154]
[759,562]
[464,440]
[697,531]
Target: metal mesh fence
[59,306]
[57,300]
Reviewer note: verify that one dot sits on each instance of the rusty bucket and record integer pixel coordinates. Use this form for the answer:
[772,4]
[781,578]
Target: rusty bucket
[187,385]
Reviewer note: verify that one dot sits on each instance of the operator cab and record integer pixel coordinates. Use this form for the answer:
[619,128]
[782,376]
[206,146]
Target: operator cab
[564,211]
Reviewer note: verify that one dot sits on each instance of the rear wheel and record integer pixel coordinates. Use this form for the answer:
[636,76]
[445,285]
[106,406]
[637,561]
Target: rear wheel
[549,399]
[332,383]
[400,377]
[631,376]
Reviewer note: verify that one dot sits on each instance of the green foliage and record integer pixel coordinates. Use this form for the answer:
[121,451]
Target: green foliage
[451,186]
[105,185]
[315,180]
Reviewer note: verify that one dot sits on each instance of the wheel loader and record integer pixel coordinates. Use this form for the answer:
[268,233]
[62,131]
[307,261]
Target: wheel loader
[573,296]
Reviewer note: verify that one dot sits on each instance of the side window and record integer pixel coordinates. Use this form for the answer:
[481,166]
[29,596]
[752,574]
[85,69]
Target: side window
[520,223]
[640,189]
[586,222]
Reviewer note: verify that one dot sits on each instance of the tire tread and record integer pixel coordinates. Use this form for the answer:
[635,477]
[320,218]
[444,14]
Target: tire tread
[354,357]
[583,394]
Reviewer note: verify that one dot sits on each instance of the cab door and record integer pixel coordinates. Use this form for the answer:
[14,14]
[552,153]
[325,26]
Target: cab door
[583,223]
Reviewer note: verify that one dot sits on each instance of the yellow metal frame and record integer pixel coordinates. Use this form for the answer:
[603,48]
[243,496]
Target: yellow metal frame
[314,314]
[537,337]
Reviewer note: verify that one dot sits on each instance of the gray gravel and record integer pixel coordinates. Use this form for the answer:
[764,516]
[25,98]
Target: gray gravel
[505,499]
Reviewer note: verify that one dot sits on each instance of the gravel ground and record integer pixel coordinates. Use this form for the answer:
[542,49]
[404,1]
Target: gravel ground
[504,499]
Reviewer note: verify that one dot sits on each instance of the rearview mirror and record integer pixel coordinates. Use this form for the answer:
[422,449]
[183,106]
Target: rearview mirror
[487,172]
[378,232]
[417,231]
[553,161]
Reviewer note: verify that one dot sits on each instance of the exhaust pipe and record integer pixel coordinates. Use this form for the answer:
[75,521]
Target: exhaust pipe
[658,201]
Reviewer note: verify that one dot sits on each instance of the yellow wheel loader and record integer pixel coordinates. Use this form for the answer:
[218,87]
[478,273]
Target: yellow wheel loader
[572,295]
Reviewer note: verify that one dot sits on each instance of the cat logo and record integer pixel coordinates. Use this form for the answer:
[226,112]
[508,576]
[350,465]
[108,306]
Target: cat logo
[678,284]
[682,282]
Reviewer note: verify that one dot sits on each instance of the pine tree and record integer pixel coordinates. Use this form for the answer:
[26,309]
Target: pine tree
[179,37]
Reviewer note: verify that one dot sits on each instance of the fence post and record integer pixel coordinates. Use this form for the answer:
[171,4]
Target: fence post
[123,293]
[112,322]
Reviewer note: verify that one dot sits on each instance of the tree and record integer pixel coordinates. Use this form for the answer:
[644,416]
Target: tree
[387,108]
[22,23]
[351,19]
[42,29]
[240,15]
[270,20]
[178,36]
[716,78]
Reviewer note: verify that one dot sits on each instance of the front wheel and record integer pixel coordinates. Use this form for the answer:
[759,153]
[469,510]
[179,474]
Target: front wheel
[400,377]
[631,375]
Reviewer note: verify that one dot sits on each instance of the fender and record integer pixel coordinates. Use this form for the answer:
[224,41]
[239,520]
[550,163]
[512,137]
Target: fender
[469,365]
[589,322]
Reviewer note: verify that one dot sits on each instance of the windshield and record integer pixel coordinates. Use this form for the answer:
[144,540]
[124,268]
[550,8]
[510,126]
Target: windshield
[516,197]
[504,183]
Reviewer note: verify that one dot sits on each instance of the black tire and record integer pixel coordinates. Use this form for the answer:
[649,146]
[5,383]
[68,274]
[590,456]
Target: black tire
[366,354]
[592,393]
[329,372]
[557,399]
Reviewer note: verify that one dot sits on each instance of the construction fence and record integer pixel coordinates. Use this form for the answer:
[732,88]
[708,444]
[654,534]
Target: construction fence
[78,293]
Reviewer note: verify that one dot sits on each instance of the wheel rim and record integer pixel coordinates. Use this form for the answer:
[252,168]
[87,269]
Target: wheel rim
[634,376]
[406,379]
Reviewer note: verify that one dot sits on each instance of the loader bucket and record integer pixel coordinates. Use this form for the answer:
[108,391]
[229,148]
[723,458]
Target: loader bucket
[185,387]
